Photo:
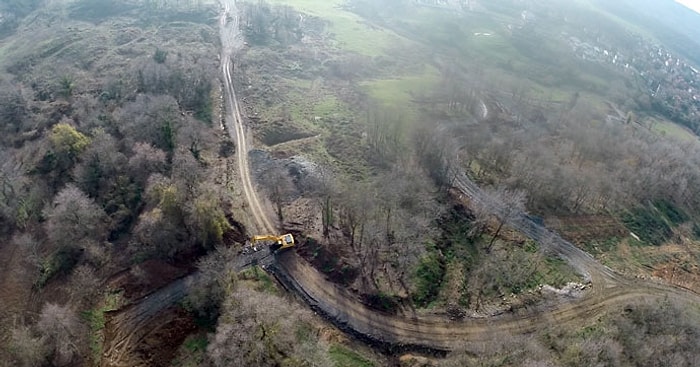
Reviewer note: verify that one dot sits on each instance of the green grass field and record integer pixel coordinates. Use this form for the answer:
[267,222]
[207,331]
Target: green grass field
[398,92]
[350,31]
[344,357]
[673,130]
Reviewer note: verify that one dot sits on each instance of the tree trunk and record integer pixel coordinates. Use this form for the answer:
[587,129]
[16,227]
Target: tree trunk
[493,239]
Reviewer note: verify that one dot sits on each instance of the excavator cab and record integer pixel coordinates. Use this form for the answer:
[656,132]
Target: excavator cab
[280,242]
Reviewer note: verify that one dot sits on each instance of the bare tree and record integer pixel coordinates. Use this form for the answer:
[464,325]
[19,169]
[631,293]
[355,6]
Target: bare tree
[507,205]
[151,119]
[436,156]
[27,348]
[62,329]
[187,173]
[84,285]
[100,165]
[355,206]
[13,108]
[250,335]
[156,234]
[216,282]
[324,187]
[384,135]
[146,159]
[75,220]
[12,181]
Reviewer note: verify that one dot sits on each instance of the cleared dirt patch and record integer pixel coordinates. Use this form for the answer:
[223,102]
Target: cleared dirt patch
[142,279]
[326,262]
[160,347]
[684,276]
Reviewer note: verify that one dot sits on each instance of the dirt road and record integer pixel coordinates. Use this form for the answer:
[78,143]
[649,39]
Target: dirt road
[230,39]
[439,333]
[608,289]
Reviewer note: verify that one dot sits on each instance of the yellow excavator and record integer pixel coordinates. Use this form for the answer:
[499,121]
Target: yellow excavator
[280,242]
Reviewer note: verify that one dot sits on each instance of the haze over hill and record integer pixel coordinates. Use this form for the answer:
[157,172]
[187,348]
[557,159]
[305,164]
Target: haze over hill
[675,25]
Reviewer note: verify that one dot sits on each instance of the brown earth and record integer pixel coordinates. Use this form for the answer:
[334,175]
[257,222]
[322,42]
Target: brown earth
[142,279]
[160,347]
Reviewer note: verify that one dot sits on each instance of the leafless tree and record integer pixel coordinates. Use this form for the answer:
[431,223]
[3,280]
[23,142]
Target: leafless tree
[13,108]
[75,220]
[507,205]
[215,282]
[155,234]
[150,119]
[12,180]
[27,348]
[436,154]
[357,202]
[248,334]
[279,188]
[63,332]
[146,159]
[187,173]
[523,351]
[100,165]
[83,285]
[384,135]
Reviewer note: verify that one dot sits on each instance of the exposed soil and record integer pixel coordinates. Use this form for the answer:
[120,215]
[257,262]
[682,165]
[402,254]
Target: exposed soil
[236,234]
[337,271]
[170,329]
[688,277]
[154,343]
[144,278]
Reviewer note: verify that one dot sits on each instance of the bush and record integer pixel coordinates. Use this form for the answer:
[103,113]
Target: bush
[671,212]
[60,263]
[382,302]
[648,225]
[345,357]
[159,56]
[428,278]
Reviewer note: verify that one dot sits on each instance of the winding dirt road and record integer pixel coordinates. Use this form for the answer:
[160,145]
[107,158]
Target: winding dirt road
[608,288]
[424,332]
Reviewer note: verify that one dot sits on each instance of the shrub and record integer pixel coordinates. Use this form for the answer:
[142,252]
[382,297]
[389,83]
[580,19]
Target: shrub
[159,56]
[429,276]
[648,225]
